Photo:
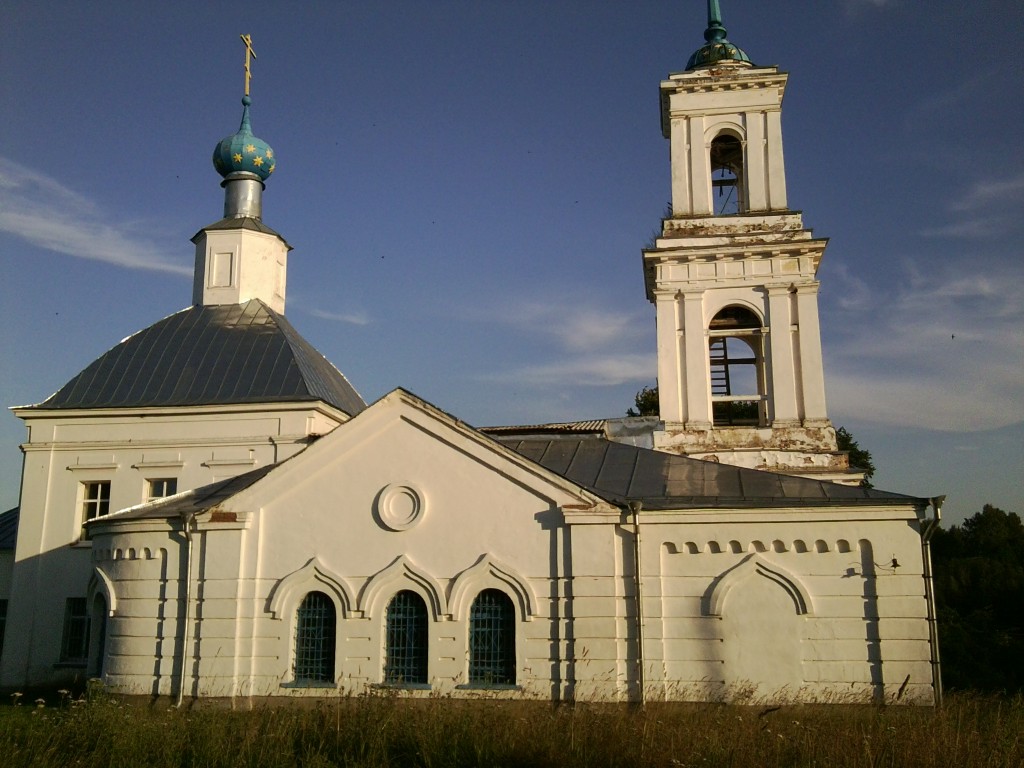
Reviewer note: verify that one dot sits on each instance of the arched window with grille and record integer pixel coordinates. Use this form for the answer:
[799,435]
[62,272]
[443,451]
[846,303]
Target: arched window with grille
[736,351]
[315,631]
[492,639]
[405,650]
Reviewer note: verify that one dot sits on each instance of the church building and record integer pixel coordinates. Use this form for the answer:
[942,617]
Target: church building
[211,510]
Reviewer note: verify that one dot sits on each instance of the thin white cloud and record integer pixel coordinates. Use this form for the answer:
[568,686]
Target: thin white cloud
[855,6]
[983,194]
[849,291]
[984,227]
[45,213]
[986,209]
[954,403]
[969,90]
[572,325]
[597,344]
[352,318]
[585,371]
[941,350]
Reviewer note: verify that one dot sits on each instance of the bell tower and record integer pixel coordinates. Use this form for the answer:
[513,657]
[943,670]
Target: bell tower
[733,277]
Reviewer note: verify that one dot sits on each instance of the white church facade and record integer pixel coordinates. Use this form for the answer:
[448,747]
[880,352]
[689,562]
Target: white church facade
[210,509]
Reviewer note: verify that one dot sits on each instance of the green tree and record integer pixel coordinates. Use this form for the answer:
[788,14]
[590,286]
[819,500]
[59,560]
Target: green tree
[646,401]
[979,595]
[860,458]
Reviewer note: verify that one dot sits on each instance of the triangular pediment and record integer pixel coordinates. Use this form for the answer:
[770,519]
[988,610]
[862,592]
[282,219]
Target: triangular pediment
[403,478]
[411,443]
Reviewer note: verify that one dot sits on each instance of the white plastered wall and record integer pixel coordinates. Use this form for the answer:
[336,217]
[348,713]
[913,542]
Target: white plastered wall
[236,265]
[809,608]
[127,448]
[487,519]
[718,585]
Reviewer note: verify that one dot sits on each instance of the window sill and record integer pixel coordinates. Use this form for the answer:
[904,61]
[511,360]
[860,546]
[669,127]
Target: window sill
[402,686]
[488,687]
[303,685]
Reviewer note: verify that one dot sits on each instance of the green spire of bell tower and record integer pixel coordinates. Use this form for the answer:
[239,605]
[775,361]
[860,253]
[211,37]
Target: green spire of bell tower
[715,30]
[717,49]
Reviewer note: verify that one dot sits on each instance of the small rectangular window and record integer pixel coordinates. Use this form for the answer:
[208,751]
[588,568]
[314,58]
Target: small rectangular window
[74,647]
[95,500]
[162,487]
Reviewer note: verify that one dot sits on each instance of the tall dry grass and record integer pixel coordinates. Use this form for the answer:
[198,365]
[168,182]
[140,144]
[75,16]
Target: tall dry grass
[968,732]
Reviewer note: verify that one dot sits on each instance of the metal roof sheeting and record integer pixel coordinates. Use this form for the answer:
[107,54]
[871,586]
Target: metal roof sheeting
[210,355]
[593,425]
[621,473]
[9,528]
[240,222]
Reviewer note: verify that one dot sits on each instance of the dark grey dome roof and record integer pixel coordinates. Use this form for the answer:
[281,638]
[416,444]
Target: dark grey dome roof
[210,355]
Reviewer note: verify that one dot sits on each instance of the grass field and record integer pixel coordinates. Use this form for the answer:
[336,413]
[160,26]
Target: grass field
[967,732]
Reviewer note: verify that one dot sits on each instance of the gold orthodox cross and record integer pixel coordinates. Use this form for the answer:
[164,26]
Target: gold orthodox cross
[249,52]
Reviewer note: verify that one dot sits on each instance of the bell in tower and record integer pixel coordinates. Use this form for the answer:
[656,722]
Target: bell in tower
[733,277]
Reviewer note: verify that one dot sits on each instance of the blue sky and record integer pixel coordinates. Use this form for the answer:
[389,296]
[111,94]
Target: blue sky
[468,185]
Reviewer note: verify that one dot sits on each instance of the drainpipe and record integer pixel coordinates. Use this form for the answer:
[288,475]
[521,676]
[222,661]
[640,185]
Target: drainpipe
[187,519]
[929,593]
[634,507]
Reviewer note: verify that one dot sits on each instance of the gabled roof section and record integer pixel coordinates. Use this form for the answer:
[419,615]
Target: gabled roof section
[399,404]
[622,473]
[9,528]
[210,355]
[403,407]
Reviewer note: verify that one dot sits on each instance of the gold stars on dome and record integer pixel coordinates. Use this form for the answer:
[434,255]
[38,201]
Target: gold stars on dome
[272,167]
[242,152]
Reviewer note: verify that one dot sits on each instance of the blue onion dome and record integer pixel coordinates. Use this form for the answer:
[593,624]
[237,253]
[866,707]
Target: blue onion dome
[718,49]
[242,152]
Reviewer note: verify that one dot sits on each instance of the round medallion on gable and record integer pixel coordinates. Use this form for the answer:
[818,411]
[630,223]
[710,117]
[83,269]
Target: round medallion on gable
[399,507]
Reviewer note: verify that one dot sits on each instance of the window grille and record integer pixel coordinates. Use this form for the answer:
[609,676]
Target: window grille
[74,647]
[492,639]
[406,649]
[314,639]
[95,500]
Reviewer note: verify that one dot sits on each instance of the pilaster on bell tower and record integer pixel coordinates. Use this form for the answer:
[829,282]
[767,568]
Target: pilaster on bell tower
[239,257]
[733,277]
